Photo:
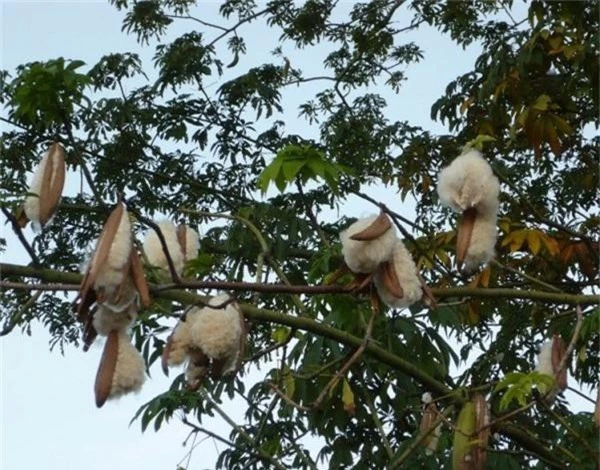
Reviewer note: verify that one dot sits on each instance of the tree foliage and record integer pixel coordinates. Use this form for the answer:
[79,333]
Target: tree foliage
[181,147]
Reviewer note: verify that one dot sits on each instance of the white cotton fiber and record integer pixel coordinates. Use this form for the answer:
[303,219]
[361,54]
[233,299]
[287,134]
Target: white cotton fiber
[218,331]
[192,244]
[32,203]
[106,320]
[154,251]
[114,270]
[408,277]
[366,256]
[544,360]
[483,240]
[130,370]
[469,182]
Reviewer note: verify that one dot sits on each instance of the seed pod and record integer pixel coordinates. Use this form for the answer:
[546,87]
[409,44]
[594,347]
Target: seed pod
[597,409]
[47,184]
[427,421]
[558,352]
[154,249]
[139,279]
[374,244]
[106,369]
[462,456]
[482,430]
[397,281]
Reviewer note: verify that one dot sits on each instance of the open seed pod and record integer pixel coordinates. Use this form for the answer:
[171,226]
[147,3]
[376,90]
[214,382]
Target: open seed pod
[154,249]
[47,185]
[188,241]
[430,412]
[482,431]
[558,352]
[469,187]
[121,370]
[367,243]
[397,280]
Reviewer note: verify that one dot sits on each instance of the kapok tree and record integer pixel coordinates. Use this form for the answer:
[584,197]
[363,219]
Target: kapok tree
[399,342]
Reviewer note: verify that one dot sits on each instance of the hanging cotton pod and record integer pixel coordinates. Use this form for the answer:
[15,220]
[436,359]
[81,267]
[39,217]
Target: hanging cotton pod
[367,243]
[47,185]
[113,279]
[182,243]
[549,360]
[482,431]
[210,339]
[121,369]
[469,187]
[397,280]
[462,445]
[219,333]
[430,412]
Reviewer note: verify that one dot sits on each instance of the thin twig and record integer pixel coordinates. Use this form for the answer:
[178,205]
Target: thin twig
[17,229]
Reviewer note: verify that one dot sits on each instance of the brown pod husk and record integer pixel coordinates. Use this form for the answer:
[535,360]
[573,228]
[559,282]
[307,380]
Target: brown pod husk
[390,279]
[101,252]
[182,239]
[426,425]
[464,233]
[428,296]
[482,431]
[106,369]
[377,228]
[558,352]
[136,271]
[52,183]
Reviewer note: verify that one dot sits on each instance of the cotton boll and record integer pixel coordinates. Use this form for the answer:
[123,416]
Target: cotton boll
[408,278]
[130,370]
[544,365]
[47,185]
[217,331]
[481,248]
[112,273]
[106,320]
[468,182]
[154,251]
[181,339]
[366,256]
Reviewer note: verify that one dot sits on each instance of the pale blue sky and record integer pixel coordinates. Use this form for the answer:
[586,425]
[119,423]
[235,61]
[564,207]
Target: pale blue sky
[48,418]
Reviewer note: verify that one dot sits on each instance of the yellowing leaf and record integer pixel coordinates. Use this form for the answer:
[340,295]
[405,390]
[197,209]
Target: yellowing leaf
[515,239]
[348,398]
[534,241]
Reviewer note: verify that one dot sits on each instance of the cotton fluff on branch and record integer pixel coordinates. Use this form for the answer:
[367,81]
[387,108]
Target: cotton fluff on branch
[364,256]
[544,360]
[154,250]
[107,320]
[191,242]
[217,331]
[47,185]
[407,276]
[483,241]
[180,341]
[130,370]
[469,182]
[113,271]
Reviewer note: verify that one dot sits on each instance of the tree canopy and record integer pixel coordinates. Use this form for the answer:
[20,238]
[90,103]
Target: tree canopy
[204,142]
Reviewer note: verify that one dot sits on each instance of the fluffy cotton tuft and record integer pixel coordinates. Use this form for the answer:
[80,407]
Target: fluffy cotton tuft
[114,270]
[408,277]
[32,203]
[483,240]
[366,256]
[154,251]
[130,370]
[217,332]
[107,320]
[469,182]
[544,365]
[192,244]
[181,339]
